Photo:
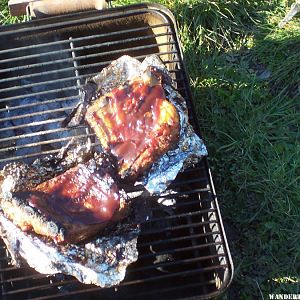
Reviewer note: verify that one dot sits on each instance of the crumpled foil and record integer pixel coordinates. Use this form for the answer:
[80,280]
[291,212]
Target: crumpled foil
[102,261]
[190,148]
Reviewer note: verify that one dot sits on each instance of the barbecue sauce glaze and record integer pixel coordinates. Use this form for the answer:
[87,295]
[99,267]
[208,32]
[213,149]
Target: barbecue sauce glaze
[134,119]
[80,196]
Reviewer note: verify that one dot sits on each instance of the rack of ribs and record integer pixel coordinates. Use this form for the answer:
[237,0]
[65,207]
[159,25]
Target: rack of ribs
[136,123]
[67,208]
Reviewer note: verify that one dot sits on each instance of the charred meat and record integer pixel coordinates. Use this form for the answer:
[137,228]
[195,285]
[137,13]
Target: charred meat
[70,207]
[135,123]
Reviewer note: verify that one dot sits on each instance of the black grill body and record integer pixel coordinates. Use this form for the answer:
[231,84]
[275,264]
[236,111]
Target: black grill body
[183,252]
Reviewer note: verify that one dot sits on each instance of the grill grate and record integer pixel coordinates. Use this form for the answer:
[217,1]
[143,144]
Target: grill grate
[183,251]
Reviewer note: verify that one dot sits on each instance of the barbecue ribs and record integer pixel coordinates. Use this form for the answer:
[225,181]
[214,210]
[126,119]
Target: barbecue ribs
[70,207]
[135,123]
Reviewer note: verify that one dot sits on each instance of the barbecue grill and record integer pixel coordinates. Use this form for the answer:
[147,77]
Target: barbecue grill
[183,252]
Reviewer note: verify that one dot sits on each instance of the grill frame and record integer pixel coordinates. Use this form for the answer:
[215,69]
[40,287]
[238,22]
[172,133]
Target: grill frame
[209,209]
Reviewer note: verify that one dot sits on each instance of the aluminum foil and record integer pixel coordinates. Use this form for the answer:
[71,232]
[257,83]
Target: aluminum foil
[190,148]
[102,262]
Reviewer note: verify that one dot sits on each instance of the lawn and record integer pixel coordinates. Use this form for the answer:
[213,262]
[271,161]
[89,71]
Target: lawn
[245,77]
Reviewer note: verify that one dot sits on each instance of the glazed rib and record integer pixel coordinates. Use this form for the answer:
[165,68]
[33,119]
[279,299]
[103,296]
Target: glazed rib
[136,124]
[67,208]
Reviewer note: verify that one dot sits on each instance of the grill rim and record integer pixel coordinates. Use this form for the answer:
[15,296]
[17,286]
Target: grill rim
[161,9]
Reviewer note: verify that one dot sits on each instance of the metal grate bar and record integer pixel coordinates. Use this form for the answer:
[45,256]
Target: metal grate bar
[177,239]
[56,120]
[8,269]
[189,214]
[177,262]
[34,104]
[45,142]
[171,228]
[38,154]
[38,287]
[21,278]
[39,113]
[72,88]
[29,155]
[85,38]
[178,249]
[38,133]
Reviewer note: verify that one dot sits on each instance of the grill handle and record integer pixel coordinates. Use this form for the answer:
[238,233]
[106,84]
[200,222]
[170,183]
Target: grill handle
[45,8]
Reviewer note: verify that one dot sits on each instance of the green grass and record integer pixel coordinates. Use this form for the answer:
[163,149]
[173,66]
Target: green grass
[245,77]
